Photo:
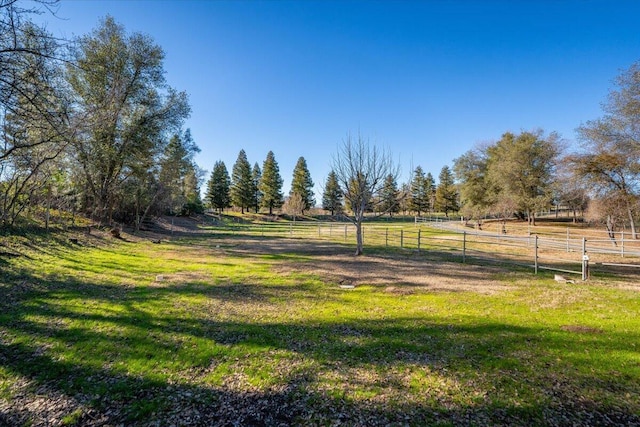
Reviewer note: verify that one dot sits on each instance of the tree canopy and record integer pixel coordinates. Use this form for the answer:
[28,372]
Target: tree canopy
[218,188]
[242,192]
[271,184]
[302,184]
[332,197]
[127,110]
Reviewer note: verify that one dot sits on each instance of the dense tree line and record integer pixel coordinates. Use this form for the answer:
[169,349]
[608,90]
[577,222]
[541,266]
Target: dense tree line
[95,130]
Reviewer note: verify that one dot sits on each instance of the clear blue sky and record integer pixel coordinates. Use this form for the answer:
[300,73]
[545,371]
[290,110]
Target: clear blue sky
[428,79]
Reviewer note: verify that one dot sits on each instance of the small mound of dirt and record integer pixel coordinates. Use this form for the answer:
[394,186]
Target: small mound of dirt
[395,290]
[581,329]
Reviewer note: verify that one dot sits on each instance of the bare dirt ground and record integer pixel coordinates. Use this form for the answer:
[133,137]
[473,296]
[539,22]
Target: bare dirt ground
[397,273]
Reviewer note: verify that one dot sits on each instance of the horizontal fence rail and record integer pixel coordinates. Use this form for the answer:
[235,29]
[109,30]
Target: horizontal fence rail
[562,251]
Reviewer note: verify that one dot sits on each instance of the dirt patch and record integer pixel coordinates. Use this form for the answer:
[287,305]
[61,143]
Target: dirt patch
[394,273]
[580,329]
[395,290]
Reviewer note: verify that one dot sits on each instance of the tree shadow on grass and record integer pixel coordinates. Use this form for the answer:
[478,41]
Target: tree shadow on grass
[89,358]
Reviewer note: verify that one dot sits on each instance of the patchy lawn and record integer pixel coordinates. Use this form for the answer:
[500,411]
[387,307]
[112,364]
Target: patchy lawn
[212,330]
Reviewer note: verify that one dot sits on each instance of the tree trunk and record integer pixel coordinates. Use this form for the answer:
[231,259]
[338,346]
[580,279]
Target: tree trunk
[631,223]
[611,230]
[359,244]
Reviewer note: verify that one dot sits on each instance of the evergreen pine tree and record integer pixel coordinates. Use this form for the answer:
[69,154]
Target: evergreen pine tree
[419,192]
[430,191]
[178,175]
[241,183]
[390,196]
[332,194]
[446,192]
[271,184]
[302,184]
[218,196]
[256,174]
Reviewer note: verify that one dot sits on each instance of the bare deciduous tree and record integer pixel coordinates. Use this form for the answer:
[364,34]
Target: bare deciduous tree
[361,170]
[294,205]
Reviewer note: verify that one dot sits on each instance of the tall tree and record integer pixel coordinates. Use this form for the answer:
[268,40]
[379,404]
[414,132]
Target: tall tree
[256,176]
[470,170]
[127,109]
[242,183]
[271,184]
[30,85]
[610,160]
[390,196]
[33,114]
[302,184]
[192,181]
[521,168]
[420,192]
[177,173]
[361,170]
[446,192]
[218,187]
[430,187]
[332,195]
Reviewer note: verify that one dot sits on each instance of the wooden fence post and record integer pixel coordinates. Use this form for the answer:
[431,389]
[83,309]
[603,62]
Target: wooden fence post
[585,260]
[464,247]
[535,265]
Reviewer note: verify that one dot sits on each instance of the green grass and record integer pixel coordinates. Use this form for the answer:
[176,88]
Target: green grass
[135,332]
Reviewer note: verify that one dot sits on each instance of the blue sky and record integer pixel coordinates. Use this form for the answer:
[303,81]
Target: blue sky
[427,79]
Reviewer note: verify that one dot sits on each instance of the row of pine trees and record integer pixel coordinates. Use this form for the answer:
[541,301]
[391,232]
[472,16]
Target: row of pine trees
[254,188]
[251,188]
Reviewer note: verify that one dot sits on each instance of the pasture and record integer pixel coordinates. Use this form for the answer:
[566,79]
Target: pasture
[238,328]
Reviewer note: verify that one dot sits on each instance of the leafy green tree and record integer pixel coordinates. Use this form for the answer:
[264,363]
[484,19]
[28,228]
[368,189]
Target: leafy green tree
[302,184]
[271,184]
[521,170]
[332,195]
[470,170]
[125,107]
[242,183]
[420,192]
[446,192]
[218,187]
[390,196]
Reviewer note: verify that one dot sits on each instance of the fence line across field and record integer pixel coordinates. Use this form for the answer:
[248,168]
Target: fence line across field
[539,252]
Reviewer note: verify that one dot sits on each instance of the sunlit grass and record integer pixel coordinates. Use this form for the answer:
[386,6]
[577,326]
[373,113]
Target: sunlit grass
[129,325]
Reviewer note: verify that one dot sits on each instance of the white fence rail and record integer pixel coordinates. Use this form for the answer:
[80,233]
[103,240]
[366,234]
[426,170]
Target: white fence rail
[568,253]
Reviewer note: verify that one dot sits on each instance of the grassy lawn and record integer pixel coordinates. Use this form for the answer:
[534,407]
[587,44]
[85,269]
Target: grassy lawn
[245,330]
